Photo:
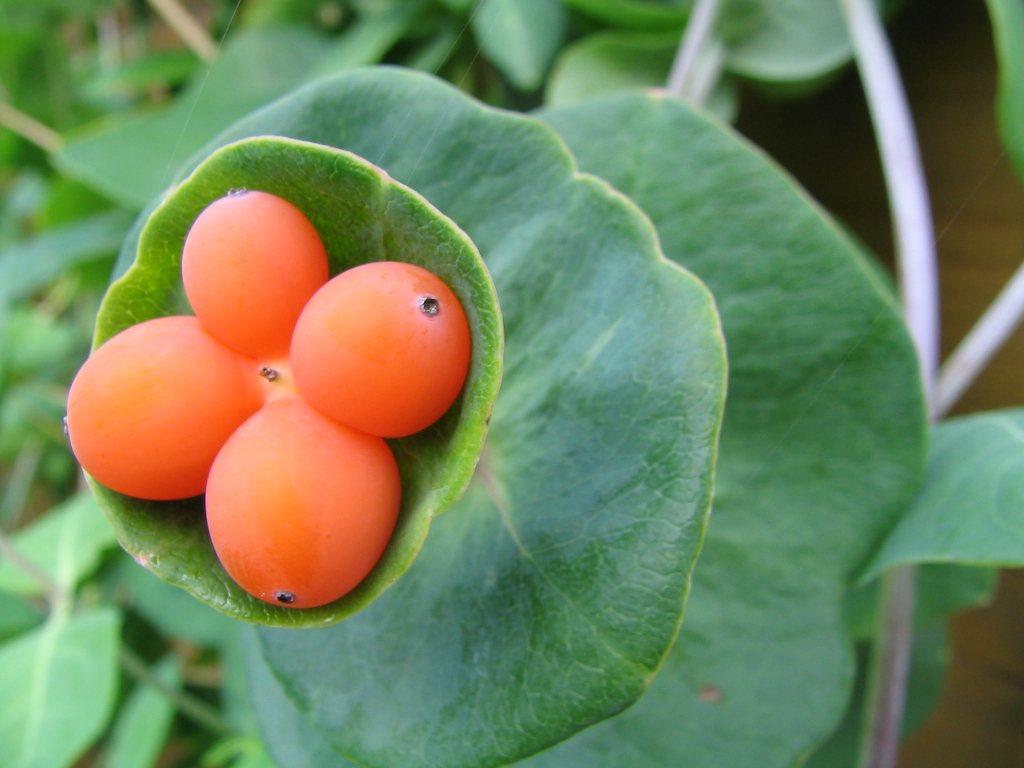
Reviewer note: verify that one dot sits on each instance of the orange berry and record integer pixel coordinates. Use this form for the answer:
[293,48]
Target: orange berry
[301,508]
[251,262]
[383,347]
[150,408]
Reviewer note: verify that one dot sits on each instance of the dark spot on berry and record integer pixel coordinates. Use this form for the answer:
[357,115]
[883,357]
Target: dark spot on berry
[237,192]
[430,306]
[268,373]
[284,597]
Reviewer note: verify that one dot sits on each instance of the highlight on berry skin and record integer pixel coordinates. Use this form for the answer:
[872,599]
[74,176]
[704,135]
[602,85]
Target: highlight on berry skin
[274,399]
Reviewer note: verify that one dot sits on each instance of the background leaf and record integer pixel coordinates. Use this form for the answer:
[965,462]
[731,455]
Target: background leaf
[66,544]
[361,215]
[135,159]
[822,445]
[57,688]
[1008,27]
[516,625]
[144,722]
[521,37]
[609,62]
[971,509]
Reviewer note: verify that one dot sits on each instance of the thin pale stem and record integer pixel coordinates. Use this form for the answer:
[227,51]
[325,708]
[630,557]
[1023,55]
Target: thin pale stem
[980,344]
[686,79]
[196,710]
[188,29]
[29,128]
[918,277]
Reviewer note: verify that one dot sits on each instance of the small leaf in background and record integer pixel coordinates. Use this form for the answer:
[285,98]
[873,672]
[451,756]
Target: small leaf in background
[33,263]
[823,443]
[58,685]
[520,37]
[971,509]
[369,38]
[1008,26]
[66,544]
[635,14]
[135,160]
[144,721]
[609,62]
[16,616]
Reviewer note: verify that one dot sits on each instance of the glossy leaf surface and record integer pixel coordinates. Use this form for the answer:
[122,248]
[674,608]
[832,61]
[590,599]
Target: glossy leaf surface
[517,624]
[361,216]
[822,446]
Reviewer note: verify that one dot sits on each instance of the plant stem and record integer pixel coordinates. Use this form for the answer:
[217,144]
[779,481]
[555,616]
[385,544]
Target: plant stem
[197,710]
[29,128]
[918,277]
[56,594]
[189,30]
[980,344]
[689,79]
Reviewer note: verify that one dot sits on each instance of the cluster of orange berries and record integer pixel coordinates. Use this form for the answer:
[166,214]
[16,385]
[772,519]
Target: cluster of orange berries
[274,399]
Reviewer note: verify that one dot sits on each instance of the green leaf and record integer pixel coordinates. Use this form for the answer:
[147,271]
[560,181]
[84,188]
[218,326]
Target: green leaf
[610,62]
[16,616]
[369,38]
[971,509]
[520,37]
[134,160]
[929,658]
[66,544]
[942,590]
[291,740]
[171,610]
[822,445]
[517,624]
[362,216]
[31,264]
[145,720]
[1008,26]
[57,689]
[635,14]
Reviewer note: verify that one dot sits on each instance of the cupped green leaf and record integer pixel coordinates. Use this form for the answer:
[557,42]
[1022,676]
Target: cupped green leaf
[545,600]
[1008,26]
[971,509]
[521,37]
[362,215]
[822,446]
[58,685]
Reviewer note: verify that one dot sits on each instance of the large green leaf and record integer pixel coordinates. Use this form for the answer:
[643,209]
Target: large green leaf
[134,160]
[822,446]
[971,509]
[518,624]
[65,544]
[1008,26]
[361,216]
[57,689]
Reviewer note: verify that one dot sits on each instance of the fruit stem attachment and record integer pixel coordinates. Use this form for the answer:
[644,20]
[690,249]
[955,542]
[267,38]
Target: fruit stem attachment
[700,57]
[918,278]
